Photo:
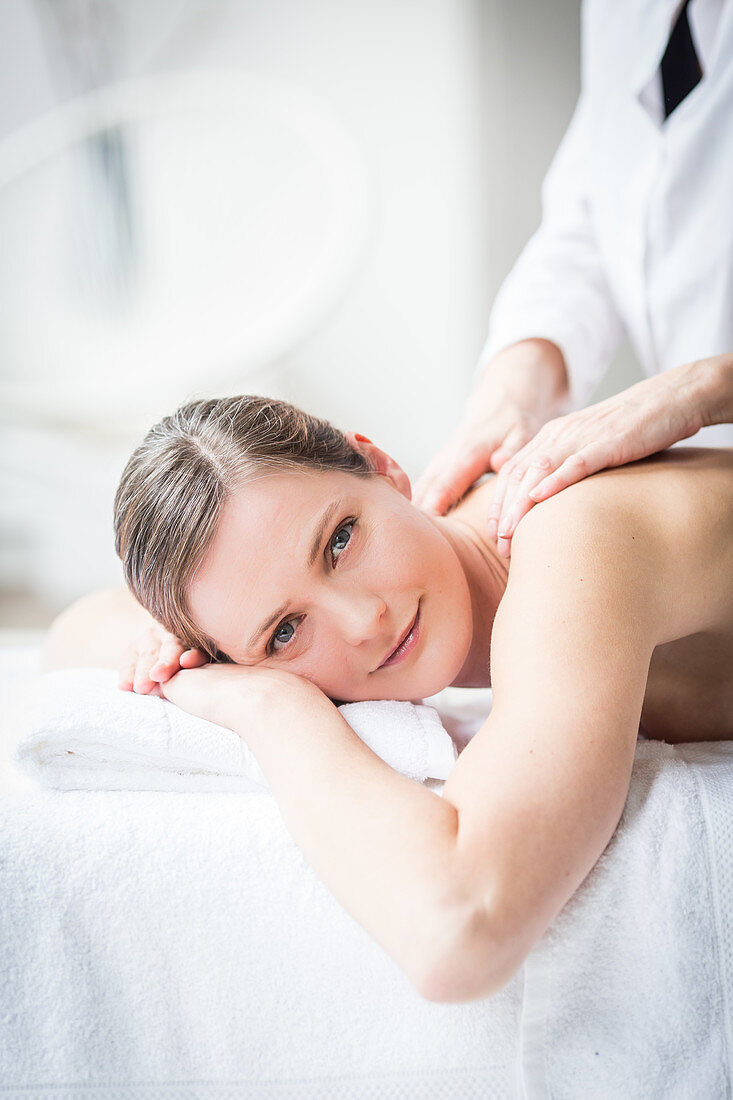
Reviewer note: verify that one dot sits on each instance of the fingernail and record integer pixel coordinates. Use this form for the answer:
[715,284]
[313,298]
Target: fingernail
[491,528]
[506,526]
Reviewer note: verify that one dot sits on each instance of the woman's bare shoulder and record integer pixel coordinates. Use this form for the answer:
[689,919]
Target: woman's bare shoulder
[666,521]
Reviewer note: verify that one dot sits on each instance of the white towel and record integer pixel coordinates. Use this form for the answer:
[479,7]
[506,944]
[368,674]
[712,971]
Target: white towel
[629,992]
[156,946]
[78,731]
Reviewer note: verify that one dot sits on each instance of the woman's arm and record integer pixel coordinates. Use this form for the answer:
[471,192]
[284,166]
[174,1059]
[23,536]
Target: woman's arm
[383,844]
[95,631]
[109,629]
[541,787]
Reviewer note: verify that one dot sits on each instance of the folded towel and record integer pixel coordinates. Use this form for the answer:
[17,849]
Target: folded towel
[78,731]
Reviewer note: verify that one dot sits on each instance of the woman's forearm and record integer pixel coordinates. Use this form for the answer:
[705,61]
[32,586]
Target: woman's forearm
[96,631]
[384,845]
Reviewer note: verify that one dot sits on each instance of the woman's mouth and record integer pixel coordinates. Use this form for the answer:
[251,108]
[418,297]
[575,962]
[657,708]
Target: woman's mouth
[407,644]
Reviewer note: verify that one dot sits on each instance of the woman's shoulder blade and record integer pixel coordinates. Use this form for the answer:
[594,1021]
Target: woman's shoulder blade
[665,522]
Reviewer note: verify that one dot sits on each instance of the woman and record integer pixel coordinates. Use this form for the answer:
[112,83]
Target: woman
[292,553]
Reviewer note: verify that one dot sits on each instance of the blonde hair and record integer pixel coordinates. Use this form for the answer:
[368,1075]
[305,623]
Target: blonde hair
[170,497]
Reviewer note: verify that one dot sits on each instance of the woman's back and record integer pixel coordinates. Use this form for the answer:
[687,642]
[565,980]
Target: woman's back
[674,512]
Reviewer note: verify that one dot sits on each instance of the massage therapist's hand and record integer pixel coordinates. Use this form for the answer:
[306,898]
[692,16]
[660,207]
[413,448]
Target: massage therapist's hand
[520,389]
[640,421]
[154,657]
[235,696]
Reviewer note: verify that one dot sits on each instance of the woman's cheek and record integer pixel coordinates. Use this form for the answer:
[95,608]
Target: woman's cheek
[320,665]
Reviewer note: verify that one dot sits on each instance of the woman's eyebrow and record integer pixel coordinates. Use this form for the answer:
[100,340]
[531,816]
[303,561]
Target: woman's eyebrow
[323,523]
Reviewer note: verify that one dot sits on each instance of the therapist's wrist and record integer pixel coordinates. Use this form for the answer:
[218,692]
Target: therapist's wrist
[532,374]
[717,373]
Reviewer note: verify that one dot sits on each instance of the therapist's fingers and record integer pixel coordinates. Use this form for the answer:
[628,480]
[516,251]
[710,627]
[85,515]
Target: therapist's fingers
[508,476]
[520,502]
[504,461]
[553,471]
[514,503]
[512,443]
[530,465]
[574,468]
[451,473]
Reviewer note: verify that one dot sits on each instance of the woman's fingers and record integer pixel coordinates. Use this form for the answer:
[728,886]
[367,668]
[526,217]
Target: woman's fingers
[194,658]
[156,657]
[174,656]
[143,682]
[126,676]
[166,661]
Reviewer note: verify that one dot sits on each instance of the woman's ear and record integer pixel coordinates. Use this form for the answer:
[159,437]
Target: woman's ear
[381,462]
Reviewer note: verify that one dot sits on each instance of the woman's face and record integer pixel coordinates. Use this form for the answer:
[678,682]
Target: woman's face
[325,574]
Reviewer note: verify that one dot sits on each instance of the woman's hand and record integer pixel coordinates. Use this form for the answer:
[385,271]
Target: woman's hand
[520,389]
[234,696]
[153,658]
[640,421]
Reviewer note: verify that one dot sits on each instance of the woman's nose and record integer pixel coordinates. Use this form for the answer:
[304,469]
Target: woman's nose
[360,617]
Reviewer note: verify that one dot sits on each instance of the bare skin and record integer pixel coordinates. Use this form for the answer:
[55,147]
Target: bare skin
[685,496]
[514,424]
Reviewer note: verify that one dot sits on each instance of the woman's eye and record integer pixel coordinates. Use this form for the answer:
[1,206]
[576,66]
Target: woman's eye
[282,635]
[340,538]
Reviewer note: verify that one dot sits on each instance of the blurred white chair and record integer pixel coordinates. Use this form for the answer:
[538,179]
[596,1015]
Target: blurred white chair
[161,238]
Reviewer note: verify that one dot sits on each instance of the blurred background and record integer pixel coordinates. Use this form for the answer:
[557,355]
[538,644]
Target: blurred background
[310,199]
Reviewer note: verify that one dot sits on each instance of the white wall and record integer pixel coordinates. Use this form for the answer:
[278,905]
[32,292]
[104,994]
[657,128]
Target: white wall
[456,107]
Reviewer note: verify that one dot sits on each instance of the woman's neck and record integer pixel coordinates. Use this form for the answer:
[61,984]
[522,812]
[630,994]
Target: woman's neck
[486,573]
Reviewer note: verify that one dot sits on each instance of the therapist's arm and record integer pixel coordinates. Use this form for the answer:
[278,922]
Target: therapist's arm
[519,390]
[723,403]
[553,331]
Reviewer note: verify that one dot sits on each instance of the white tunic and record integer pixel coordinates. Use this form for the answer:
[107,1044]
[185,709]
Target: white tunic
[637,224]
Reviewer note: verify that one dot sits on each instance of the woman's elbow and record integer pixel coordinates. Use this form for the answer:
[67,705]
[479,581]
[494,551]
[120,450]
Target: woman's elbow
[479,964]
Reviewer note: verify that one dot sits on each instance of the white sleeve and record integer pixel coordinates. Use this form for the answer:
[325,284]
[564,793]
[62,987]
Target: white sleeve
[557,289]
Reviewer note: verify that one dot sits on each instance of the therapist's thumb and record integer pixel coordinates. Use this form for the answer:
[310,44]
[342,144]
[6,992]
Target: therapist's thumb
[450,474]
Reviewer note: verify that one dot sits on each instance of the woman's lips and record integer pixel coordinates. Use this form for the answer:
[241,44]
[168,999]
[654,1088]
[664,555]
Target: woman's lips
[407,644]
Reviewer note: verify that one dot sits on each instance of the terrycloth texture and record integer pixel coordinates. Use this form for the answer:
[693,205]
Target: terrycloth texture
[179,946]
[80,732]
[628,994]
